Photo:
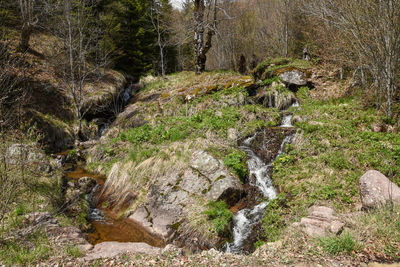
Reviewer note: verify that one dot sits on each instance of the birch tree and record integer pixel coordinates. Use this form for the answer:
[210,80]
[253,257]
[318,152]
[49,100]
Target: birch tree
[202,40]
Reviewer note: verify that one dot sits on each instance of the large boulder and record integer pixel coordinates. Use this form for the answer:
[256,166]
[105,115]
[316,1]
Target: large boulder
[376,190]
[18,154]
[173,197]
[294,77]
[321,221]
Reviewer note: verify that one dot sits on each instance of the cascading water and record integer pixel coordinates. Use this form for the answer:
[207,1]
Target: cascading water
[245,219]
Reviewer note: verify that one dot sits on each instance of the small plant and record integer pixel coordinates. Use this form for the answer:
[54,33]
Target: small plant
[338,244]
[74,251]
[219,214]
[72,153]
[237,162]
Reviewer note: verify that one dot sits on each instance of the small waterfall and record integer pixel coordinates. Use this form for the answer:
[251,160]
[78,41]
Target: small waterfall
[245,219]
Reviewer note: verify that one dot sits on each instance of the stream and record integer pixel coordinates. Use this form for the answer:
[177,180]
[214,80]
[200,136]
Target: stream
[246,219]
[106,222]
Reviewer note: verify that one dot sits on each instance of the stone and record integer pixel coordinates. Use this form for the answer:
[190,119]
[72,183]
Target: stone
[172,197]
[233,134]
[112,249]
[21,153]
[376,190]
[293,77]
[171,250]
[86,184]
[320,222]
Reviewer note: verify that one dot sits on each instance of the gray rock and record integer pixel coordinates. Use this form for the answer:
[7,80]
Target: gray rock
[320,222]
[111,249]
[86,184]
[294,77]
[233,134]
[172,196]
[25,154]
[376,190]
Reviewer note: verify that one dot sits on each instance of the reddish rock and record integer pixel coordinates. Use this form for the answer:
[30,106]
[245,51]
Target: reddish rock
[320,222]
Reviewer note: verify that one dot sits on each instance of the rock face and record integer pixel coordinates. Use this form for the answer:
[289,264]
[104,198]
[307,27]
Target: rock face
[111,249]
[171,198]
[376,190]
[320,222]
[293,77]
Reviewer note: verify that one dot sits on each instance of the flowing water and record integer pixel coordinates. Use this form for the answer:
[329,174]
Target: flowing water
[246,219]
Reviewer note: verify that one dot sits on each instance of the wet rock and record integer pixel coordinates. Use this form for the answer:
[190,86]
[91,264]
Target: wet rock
[320,221]
[86,184]
[293,77]
[377,190]
[111,249]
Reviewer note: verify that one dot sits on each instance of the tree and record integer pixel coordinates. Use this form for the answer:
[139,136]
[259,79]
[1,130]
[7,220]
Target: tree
[84,56]
[201,46]
[130,33]
[29,19]
[159,12]
[372,29]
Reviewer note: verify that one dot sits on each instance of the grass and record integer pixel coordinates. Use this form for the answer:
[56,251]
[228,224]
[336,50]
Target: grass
[334,146]
[34,249]
[344,243]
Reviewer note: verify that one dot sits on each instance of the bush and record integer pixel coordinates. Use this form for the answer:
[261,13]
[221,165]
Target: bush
[219,214]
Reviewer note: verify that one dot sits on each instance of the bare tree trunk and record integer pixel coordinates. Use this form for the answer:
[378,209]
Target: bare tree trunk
[29,20]
[201,49]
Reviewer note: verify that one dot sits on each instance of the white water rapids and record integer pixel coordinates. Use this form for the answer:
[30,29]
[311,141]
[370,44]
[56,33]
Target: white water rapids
[245,219]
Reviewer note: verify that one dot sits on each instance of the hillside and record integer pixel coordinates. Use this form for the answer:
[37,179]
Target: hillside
[289,165]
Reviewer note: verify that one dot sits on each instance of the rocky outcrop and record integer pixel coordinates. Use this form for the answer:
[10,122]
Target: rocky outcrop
[320,221]
[293,77]
[377,190]
[172,197]
[16,154]
[111,249]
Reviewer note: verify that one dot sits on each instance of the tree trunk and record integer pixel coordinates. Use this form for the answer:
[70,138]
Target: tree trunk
[200,48]
[25,37]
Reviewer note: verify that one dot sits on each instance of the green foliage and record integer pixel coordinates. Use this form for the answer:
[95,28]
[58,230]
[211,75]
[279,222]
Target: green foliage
[130,34]
[273,221]
[34,249]
[74,251]
[344,243]
[238,163]
[72,153]
[268,82]
[219,214]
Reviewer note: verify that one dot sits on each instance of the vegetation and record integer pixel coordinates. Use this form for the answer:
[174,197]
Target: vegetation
[219,214]
[340,244]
